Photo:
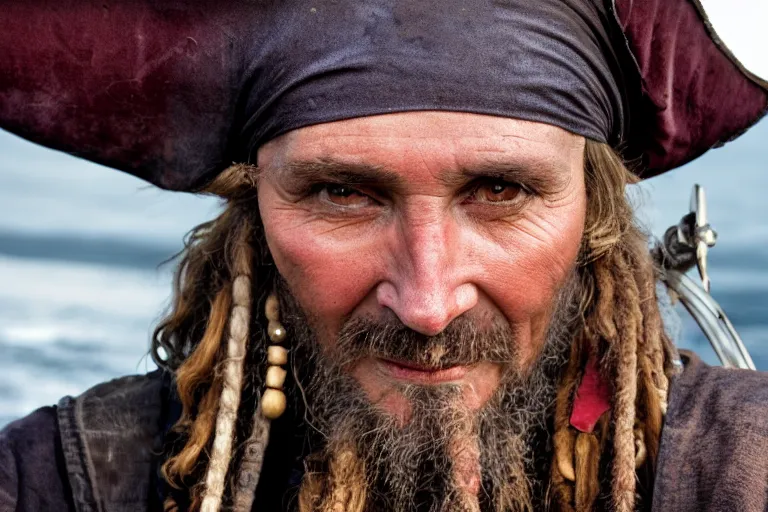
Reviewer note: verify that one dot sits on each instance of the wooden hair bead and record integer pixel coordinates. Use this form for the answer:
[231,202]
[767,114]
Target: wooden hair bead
[276,332]
[276,377]
[272,309]
[277,355]
[273,403]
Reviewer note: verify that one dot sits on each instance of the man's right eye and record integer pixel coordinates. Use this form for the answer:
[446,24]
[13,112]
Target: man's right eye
[342,195]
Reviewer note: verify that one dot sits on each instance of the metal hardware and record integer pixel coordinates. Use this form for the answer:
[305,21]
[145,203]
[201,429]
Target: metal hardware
[685,245]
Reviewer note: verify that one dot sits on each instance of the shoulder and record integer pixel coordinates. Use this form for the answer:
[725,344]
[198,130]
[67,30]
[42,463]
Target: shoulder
[33,475]
[110,435]
[61,454]
[111,404]
[725,397]
[714,443]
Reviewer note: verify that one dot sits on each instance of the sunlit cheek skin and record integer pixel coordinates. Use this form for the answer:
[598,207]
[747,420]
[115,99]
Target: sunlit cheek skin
[329,273]
[526,284]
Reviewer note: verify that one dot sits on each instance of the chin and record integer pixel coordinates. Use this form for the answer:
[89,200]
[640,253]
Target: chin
[387,384]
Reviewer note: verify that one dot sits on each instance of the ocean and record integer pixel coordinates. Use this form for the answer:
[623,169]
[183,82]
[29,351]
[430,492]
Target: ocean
[83,281]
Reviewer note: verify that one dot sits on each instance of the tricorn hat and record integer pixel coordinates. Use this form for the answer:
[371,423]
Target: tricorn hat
[174,92]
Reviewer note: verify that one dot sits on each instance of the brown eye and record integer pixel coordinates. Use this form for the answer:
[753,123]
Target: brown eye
[344,196]
[496,192]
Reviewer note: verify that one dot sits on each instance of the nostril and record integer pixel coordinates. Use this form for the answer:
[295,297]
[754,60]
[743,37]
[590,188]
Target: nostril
[466,298]
[386,295]
[427,313]
[428,325]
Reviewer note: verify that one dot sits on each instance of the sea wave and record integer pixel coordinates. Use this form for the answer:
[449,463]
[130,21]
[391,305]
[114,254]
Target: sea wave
[66,326]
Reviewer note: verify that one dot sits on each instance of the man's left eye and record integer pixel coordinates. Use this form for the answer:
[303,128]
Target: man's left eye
[496,192]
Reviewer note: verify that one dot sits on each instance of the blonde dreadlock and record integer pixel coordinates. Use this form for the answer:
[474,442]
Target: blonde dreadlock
[219,273]
[209,374]
[342,489]
[623,329]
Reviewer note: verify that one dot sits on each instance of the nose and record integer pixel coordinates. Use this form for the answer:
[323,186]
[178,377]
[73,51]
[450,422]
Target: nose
[427,287]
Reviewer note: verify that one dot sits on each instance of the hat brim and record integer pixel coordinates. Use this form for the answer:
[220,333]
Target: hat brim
[694,94]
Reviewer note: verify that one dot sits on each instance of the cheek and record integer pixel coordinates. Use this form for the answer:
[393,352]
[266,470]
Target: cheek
[526,265]
[328,271]
[538,262]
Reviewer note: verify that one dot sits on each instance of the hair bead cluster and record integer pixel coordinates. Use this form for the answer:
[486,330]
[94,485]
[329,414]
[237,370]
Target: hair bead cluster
[273,401]
[219,273]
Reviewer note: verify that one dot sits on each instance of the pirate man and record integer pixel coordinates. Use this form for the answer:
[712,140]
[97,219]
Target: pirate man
[427,291]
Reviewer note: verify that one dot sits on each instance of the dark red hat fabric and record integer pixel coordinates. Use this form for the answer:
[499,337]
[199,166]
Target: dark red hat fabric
[695,94]
[174,92]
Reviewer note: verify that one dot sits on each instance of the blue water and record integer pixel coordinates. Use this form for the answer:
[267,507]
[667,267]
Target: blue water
[81,245]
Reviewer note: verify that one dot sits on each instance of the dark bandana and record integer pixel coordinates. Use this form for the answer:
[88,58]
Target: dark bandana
[545,60]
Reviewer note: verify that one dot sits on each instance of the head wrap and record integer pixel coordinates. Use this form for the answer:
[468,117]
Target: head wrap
[549,61]
[174,92]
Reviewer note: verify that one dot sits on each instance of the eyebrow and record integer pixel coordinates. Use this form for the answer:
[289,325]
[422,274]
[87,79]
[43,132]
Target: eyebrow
[540,176]
[353,174]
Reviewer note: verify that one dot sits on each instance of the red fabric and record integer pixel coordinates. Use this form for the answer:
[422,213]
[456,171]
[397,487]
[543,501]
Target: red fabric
[694,96]
[592,399]
[145,87]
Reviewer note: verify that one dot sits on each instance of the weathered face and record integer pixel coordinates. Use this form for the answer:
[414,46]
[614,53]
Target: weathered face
[427,216]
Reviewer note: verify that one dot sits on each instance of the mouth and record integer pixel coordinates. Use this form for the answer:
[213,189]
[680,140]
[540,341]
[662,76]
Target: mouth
[425,375]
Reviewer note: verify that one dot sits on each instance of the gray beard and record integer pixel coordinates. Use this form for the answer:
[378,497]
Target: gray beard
[412,467]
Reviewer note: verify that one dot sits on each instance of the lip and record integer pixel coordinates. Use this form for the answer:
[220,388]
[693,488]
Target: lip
[406,371]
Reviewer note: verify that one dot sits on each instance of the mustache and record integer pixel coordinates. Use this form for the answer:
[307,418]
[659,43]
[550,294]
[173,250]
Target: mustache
[461,343]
